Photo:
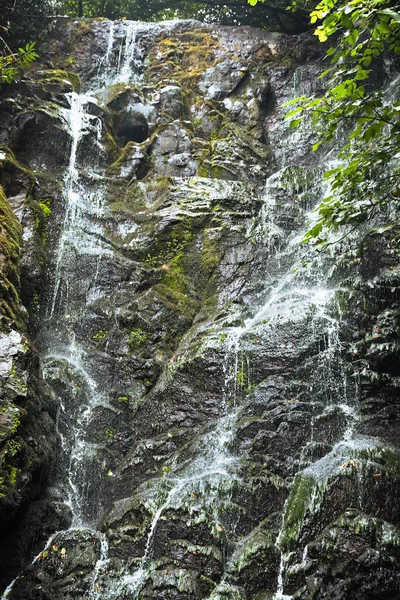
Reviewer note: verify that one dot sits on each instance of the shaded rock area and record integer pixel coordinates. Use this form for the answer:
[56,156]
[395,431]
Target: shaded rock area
[233,418]
[27,411]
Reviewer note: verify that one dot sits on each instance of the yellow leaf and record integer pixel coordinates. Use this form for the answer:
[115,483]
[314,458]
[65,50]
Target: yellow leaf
[63,551]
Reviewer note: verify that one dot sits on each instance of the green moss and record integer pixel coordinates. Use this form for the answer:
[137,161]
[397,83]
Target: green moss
[172,256]
[34,307]
[183,57]
[174,274]
[70,61]
[110,433]
[203,170]
[115,155]
[113,91]
[132,199]
[41,212]
[59,76]
[137,338]
[258,543]
[99,336]
[13,474]
[242,382]
[123,155]
[13,447]
[9,166]
[241,379]
[177,301]
[45,210]
[296,509]
[391,461]
[19,384]
[10,248]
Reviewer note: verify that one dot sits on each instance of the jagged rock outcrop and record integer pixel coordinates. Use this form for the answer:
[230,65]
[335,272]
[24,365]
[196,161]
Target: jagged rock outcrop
[226,421]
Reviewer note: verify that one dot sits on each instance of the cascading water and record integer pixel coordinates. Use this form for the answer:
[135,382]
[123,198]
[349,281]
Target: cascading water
[292,291]
[206,476]
[77,264]
[195,449]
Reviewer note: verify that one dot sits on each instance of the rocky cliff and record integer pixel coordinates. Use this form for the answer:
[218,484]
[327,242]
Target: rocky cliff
[198,405]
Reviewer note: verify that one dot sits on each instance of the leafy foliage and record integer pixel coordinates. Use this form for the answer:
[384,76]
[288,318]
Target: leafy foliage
[366,183]
[272,15]
[23,20]
[13,64]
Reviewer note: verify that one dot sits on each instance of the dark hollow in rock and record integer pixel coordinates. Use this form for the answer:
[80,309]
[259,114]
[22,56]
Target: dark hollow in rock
[131,127]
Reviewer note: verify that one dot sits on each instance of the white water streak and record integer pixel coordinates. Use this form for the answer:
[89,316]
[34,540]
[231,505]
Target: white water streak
[212,468]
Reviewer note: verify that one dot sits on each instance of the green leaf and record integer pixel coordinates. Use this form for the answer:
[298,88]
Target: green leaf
[316,146]
[314,232]
[352,37]
[391,13]
[295,123]
[295,100]
[293,112]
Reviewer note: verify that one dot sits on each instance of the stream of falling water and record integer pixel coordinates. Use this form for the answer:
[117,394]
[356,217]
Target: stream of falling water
[292,292]
[80,241]
[206,475]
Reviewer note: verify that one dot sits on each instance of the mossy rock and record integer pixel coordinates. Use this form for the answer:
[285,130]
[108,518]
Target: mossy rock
[58,78]
[183,57]
[10,249]
[176,301]
[356,556]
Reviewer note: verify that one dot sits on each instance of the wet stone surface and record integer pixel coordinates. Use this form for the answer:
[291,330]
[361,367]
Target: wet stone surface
[227,423]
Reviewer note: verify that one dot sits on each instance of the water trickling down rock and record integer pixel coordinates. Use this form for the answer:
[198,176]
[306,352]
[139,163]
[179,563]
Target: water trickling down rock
[225,400]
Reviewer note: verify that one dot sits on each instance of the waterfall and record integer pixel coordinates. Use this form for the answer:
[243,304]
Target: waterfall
[197,350]
[77,263]
[81,248]
[205,476]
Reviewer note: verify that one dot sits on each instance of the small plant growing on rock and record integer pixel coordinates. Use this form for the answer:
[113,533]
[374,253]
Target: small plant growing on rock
[137,338]
[98,337]
[110,433]
[222,337]
[241,379]
[13,447]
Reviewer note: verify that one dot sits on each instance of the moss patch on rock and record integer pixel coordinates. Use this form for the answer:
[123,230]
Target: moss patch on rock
[10,249]
[183,57]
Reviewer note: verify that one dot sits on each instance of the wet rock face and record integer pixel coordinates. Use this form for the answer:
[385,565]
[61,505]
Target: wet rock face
[53,574]
[220,81]
[27,430]
[229,431]
[352,546]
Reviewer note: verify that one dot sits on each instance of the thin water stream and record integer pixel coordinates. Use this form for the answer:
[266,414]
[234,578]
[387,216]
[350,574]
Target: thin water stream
[205,476]
[80,249]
